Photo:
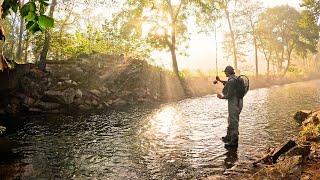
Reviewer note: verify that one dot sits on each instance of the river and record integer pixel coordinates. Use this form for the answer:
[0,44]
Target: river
[180,140]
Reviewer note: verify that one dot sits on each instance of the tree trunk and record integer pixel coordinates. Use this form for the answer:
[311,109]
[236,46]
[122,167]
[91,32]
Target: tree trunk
[256,54]
[288,64]
[235,61]
[46,45]
[4,65]
[13,37]
[175,67]
[21,29]
[26,49]
[255,45]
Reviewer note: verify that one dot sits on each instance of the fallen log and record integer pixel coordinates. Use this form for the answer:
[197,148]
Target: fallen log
[273,154]
[281,150]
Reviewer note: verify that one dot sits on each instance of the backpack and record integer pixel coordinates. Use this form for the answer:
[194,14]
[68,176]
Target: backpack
[242,86]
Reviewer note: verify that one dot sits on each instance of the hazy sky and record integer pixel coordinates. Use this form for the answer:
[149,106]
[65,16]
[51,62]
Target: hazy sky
[202,48]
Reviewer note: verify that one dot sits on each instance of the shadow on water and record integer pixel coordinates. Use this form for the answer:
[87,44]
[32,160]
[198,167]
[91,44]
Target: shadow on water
[179,140]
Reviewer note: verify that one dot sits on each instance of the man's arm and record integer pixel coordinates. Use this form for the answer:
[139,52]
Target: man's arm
[230,89]
[223,82]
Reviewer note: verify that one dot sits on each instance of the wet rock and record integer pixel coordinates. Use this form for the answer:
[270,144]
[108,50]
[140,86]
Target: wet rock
[216,177]
[289,168]
[33,109]
[88,102]
[47,105]
[314,119]
[79,70]
[303,151]
[2,129]
[95,92]
[119,102]
[36,73]
[20,95]
[84,107]
[74,83]
[100,106]
[29,101]
[13,108]
[68,81]
[302,115]
[78,101]
[2,112]
[95,102]
[64,97]
[78,93]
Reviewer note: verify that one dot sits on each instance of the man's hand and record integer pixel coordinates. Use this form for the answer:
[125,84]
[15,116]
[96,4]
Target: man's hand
[220,96]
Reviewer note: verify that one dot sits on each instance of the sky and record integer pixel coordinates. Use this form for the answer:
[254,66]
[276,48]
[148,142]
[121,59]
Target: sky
[201,52]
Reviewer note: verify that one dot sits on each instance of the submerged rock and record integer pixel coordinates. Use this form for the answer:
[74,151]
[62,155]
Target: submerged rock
[302,115]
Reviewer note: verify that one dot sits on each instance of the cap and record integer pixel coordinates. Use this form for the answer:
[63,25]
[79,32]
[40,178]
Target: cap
[229,69]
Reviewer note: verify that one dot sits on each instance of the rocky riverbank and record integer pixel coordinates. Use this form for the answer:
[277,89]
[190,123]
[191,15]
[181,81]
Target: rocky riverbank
[91,83]
[300,161]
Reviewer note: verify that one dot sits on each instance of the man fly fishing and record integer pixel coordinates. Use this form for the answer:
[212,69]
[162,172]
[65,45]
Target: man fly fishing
[234,90]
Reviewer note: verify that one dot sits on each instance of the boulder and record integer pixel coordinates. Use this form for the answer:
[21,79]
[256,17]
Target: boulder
[314,119]
[64,97]
[33,109]
[95,102]
[47,105]
[12,108]
[79,70]
[2,111]
[2,129]
[95,92]
[302,151]
[289,168]
[84,107]
[119,102]
[29,101]
[78,93]
[302,115]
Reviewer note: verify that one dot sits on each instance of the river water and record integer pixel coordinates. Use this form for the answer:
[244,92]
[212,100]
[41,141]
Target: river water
[180,140]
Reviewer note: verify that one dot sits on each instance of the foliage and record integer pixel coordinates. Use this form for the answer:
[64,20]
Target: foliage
[33,13]
[282,35]
[313,6]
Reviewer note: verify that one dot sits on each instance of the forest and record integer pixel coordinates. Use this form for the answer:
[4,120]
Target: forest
[141,85]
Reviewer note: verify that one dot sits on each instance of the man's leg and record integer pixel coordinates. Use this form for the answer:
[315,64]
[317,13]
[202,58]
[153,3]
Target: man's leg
[234,123]
[227,137]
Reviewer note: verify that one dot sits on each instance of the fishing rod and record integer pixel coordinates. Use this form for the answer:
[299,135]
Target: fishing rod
[215,38]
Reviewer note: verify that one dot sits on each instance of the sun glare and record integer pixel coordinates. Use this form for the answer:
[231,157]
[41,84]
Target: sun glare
[175,2]
[165,121]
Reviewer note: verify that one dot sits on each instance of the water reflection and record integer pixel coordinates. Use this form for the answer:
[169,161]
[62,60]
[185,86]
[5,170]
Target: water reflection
[175,141]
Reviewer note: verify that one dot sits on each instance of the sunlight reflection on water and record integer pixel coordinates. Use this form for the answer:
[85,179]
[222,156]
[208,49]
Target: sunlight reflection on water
[179,140]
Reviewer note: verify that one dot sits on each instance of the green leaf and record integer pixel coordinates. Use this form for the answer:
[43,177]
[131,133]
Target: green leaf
[28,7]
[31,16]
[34,28]
[29,24]
[45,21]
